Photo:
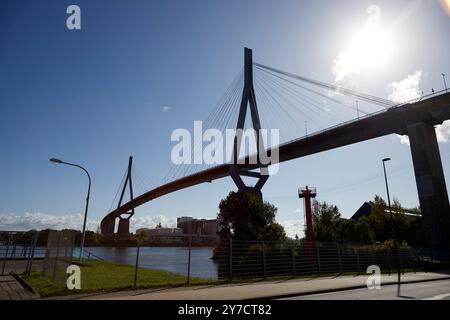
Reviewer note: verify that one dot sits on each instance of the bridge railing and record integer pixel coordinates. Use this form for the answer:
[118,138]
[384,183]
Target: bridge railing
[364,117]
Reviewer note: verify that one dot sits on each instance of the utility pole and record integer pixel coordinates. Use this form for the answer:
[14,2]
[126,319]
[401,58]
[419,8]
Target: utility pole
[392,231]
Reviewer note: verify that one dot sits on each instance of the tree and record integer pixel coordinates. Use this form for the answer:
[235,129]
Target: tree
[159,225]
[326,219]
[244,216]
[272,232]
[379,220]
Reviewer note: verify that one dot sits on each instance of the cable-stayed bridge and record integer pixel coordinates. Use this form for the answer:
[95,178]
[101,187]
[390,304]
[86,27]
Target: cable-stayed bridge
[312,117]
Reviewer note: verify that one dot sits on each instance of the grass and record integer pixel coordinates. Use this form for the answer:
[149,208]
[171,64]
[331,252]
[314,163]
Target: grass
[102,276]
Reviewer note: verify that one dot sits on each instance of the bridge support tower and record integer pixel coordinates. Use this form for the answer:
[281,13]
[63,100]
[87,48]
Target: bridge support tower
[433,197]
[248,100]
[123,229]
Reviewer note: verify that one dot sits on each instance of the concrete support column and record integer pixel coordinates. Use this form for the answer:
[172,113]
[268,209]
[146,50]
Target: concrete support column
[124,227]
[430,182]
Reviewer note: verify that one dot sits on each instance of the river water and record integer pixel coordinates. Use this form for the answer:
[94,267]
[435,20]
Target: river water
[173,259]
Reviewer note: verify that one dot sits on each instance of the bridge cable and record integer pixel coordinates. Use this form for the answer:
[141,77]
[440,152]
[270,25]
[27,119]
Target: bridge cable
[369,98]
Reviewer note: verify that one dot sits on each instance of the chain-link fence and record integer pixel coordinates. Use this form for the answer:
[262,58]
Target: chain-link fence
[259,259]
[58,255]
[206,258]
[210,258]
[19,251]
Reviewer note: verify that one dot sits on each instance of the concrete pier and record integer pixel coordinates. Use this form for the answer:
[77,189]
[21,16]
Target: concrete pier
[430,182]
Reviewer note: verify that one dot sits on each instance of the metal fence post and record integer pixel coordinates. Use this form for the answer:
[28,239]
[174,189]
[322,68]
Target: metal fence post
[71,249]
[400,260]
[189,263]
[357,260]
[31,253]
[231,259]
[136,265]
[318,258]
[6,254]
[388,260]
[264,260]
[412,255]
[339,257]
[13,251]
[293,261]
[57,255]
[373,254]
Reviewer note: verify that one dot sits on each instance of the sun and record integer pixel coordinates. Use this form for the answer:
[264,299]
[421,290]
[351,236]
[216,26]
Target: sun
[369,48]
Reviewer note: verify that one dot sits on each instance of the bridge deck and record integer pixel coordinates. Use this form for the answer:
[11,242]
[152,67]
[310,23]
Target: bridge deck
[432,111]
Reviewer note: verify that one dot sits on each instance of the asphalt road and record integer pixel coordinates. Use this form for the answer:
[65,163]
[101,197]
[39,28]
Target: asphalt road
[431,290]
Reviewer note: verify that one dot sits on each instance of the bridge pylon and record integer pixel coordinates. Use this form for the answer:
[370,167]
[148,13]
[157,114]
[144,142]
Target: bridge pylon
[237,170]
[430,181]
[108,225]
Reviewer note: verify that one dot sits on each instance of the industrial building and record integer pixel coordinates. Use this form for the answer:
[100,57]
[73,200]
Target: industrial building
[366,209]
[198,227]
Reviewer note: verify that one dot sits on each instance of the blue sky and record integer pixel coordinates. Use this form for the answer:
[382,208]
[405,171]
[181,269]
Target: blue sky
[97,95]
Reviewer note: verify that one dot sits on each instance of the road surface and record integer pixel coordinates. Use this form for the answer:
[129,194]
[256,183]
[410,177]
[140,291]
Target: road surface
[431,290]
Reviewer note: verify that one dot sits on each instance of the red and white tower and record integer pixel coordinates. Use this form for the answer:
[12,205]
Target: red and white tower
[307,194]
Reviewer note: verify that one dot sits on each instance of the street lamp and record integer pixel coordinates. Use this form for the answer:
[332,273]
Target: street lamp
[54,160]
[391,227]
[387,187]
[445,83]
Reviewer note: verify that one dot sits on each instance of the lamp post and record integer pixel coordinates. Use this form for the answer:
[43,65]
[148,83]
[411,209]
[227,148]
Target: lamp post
[83,234]
[391,227]
[387,187]
[445,83]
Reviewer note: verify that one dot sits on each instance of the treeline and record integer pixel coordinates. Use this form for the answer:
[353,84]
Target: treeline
[379,226]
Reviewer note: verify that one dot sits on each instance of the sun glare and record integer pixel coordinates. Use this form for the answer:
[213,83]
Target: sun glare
[368,49]
[446,5]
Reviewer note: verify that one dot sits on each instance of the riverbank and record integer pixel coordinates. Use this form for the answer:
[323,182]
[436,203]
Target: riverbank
[102,276]
[272,289]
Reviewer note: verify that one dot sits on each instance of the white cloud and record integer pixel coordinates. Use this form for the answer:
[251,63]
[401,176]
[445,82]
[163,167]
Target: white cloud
[404,139]
[151,222]
[406,89]
[293,227]
[409,89]
[443,131]
[165,109]
[39,221]
[442,134]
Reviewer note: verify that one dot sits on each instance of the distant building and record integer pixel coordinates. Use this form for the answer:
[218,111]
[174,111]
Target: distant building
[199,227]
[366,209]
[160,232]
